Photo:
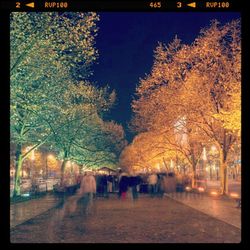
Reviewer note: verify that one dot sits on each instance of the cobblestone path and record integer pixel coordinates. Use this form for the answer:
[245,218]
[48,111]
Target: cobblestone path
[148,220]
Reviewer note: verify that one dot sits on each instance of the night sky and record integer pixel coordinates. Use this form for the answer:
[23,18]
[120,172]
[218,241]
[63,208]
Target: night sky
[126,41]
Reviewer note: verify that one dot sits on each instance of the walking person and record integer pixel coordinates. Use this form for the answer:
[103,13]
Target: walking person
[171,183]
[160,185]
[134,182]
[123,186]
[88,190]
[152,181]
[85,193]
[104,183]
[110,183]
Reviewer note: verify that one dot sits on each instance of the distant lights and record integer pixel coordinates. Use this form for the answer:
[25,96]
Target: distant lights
[201,189]
[188,188]
[214,193]
[234,195]
[25,195]
[50,156]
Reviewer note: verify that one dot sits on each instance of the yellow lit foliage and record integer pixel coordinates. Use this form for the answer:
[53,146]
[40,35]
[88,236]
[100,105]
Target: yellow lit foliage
[199,82]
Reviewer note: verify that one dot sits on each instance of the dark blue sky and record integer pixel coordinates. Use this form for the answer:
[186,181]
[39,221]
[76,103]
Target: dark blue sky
[126,41]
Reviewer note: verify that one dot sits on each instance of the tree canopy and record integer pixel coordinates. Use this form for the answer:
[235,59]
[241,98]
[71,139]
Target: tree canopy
[52,101]
[192,95]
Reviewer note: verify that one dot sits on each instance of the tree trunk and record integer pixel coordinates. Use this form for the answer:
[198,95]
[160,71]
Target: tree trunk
[226,180]
[63,167]
[62,172]
[165,164]
[193,167]
[223,176]
[18,168]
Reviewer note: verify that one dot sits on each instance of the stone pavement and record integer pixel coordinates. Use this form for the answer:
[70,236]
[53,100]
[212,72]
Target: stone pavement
[218,207]
[23,211]
[147,220]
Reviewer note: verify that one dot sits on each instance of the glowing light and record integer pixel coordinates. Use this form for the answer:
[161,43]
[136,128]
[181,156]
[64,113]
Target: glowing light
[25,195]
[188,188]
[50,156]
[24,173]
[214,193]
[171,164]
[32,157]
[201,189]
[28,148]
[234,195]
[159,168]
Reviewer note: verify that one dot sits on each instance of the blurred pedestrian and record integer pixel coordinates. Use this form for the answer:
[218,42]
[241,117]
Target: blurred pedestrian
[160,185]
[123,185]
[104,184]
[134,183]
[152,181]
[110,180]
[170,183]
[85,193]
[88,189]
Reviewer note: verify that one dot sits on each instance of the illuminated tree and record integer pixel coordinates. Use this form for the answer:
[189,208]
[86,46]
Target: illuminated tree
[86,138]
[219,74]
[48,50]
[149,152]
[231,117]
[196,82]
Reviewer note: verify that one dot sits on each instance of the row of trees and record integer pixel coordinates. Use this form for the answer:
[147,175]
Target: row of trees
[52,102]
[190,100]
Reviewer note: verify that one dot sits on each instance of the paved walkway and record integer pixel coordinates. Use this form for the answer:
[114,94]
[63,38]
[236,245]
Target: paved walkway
[23,211]
[220,208]
[148,220]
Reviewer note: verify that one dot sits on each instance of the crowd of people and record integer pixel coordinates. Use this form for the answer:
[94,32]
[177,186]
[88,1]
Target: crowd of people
[90,185]
[142,183]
